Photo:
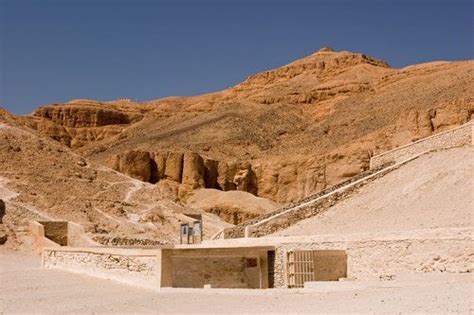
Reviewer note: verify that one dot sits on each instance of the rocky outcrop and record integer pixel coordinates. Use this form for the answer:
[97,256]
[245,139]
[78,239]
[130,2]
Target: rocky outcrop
[417,124]
[319,63]
[78,124]
[82,116]
[136,164]
[174,166]
[189,169]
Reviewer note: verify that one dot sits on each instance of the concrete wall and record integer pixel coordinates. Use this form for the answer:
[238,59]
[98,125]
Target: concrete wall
[455,137]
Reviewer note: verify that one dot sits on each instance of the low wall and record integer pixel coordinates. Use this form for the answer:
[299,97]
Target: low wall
[455,137]
[139,267]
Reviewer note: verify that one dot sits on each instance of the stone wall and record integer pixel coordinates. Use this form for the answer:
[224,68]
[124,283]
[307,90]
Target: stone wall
[455,137]
[131,266]
[58,233]
[372,258]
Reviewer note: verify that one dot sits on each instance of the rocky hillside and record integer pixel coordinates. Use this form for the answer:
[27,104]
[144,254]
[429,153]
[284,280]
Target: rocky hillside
[431,192]
[44,180]
[282,134]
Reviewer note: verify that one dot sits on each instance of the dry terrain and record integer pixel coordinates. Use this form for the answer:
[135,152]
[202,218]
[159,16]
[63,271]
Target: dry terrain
[42,179]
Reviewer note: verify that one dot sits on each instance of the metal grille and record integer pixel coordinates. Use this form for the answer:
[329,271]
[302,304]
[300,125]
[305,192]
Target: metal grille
[300,267]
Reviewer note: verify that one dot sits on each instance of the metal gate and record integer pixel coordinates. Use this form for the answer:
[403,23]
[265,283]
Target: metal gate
[315,265]
[300,267]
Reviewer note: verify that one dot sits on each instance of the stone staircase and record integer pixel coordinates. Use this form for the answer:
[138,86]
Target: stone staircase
[382,164]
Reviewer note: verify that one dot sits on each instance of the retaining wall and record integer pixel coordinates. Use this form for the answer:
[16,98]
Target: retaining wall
[455,137]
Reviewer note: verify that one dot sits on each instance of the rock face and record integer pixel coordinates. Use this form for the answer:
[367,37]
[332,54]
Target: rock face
[135,164]
[174,166]
[189,169]
[82,116]
[81,122]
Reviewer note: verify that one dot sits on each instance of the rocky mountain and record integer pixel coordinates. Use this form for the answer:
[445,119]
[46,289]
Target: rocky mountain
[280,135]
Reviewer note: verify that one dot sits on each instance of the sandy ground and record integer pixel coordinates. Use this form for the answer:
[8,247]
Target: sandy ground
[434,191]
[26,288]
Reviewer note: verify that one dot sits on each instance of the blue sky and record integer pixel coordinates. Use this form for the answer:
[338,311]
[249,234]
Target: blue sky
[57,50]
